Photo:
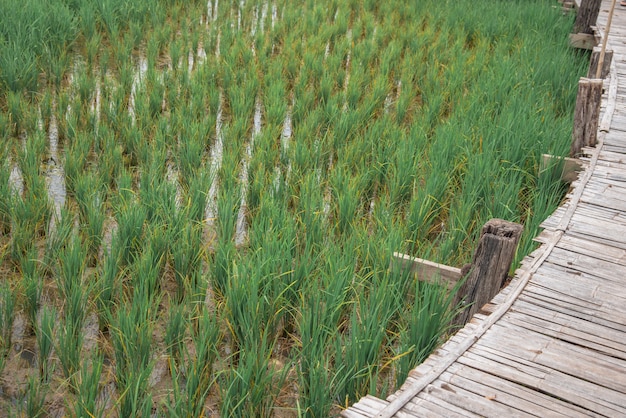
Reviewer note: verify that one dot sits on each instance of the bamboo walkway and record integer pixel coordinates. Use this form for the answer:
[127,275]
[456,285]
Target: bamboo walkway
[552,343]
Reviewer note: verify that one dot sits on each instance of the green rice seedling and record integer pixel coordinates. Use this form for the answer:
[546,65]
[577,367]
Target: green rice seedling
[44,334]
[45,108]
[34,398]
[5,194]
[251,388]
[88,390]
[29,159]
[324,303]
[108,286]
[32,283]
[57,238]
[197,194]
[346,194]
[175,335]
[7,306]
[131,331]
[88,191]
[16,109]
[361,349]
[76,160]
[30,214]
[428,318]
[189,401]
[18,68]
[75,291]
[186,256]
[130,224]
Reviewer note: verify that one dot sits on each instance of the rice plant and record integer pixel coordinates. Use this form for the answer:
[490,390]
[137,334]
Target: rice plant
[7,306]
[88,391]
[194,377]
[429,317]
[32,280]
[44,334]
[75,291]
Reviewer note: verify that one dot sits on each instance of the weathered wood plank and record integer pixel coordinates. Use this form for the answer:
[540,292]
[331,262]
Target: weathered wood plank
[470,402]
[568,328]
[590,366]
[560,385]
[548,405]
[582,41]
[447,408]
[494,395]
[425,270]
[568,168]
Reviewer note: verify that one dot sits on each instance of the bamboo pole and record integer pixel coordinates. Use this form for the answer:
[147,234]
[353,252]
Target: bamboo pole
[605,38]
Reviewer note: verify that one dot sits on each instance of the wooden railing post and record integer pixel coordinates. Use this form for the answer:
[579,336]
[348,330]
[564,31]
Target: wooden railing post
[586,115]
[606,63]
[587,16]
[490,266]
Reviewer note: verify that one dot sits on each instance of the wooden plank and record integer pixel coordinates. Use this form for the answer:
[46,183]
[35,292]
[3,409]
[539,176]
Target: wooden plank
[435,403]
[570,306]
[493,395]
[593,267]
[568,328]
[534,401]
[468,401]
[582,288]
[593,249]
[426,270]
[568,167]
[574,360]
[581,393]
[582,41]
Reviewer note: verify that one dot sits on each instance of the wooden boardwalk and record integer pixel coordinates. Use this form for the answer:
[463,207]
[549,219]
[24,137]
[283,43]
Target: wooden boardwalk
[552,343]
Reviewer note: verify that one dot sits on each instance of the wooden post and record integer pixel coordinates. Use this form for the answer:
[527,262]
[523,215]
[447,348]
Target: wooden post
[606,63]
[587,16]
[586,115]
[490,266]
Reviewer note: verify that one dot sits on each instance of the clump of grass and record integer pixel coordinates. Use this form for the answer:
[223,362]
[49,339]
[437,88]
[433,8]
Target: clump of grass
[89,196]
[108,286]
[88,390]
[7,306]
[428,318]
[32,280]
[74,289]
[45,340]
[193,379]
[33,398]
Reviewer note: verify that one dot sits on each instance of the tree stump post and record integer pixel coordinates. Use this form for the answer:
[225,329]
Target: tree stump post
[606,63]
[587,16]
[490,267]
[586,115]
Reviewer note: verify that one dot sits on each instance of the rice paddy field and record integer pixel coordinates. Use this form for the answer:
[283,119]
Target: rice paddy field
[199,202]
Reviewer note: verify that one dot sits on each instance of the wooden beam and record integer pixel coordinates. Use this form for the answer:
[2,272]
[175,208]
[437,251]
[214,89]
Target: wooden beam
[426,271]
[569,167]
[582,40]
